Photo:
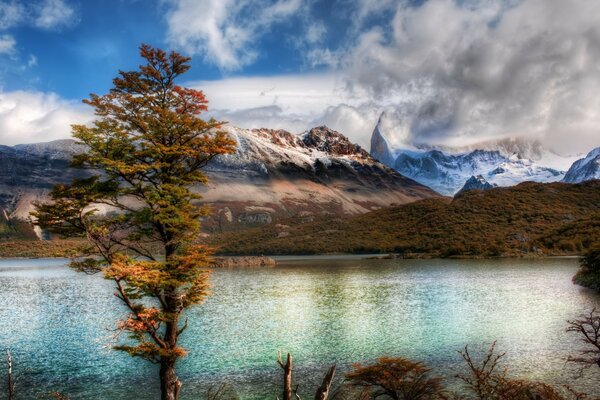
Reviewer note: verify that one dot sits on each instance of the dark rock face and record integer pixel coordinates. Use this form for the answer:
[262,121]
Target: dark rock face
[476,183]
[25,169]
[332,142]
[19,167]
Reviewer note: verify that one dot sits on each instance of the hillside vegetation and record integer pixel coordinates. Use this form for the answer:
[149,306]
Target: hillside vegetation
[527,219]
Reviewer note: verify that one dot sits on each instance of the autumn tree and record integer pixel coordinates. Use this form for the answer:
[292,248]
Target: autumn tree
[137,208]
[587,326]
[589,272]
[486,379]
[397,379]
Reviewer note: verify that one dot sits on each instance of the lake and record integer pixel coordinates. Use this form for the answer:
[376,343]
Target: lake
[57,323]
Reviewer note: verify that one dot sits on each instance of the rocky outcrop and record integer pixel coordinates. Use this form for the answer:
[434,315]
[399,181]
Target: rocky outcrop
[380,147]
[476,183]
[243,262]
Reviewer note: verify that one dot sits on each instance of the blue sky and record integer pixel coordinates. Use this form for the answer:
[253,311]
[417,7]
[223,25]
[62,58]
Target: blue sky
[82,52]
[442,72]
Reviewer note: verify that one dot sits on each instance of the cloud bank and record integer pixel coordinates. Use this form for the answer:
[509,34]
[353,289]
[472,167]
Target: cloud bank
[448,72]
[482,69]
[30,117]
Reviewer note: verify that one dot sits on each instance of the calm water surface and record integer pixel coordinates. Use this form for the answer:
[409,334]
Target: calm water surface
[58,323]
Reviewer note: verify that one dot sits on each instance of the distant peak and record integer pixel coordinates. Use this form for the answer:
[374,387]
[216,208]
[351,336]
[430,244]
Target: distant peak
[327,140]
[380,119]
[476,183]
[380,146]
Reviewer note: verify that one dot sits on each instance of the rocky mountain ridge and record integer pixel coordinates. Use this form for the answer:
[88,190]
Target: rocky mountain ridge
[585,169]
[273,174]
[505,162]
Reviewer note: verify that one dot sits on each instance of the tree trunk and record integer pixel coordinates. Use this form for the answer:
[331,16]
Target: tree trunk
[11,381]
[323,391]
[169,384]
[287,376]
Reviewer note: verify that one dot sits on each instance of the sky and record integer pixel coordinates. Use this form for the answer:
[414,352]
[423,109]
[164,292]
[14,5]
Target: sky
[441,72]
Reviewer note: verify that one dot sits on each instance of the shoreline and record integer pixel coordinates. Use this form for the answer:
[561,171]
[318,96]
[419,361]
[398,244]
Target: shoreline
[325,256]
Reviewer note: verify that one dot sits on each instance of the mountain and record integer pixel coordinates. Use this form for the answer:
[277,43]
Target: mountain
[503,163]
[274,174]
[527,219]
[380,146]
[476,183]
[446,173]
[28,172]
[585,169]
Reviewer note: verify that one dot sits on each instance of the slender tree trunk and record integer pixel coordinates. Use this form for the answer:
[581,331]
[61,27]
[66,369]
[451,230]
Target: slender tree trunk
[169,384]
[287,376]
[11,382]
[323,391]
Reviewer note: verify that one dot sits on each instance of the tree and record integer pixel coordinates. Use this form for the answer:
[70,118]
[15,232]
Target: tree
[487,380]
[145,152]
[397,379]
[587,326]
[589,273]
[591,260]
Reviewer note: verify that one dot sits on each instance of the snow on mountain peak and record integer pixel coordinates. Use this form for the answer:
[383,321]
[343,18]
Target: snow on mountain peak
[585,169]
[327,140]
[503,162]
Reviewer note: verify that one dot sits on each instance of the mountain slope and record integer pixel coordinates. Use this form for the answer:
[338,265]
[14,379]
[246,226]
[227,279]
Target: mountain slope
[273,175]
[585,169]
[524,219]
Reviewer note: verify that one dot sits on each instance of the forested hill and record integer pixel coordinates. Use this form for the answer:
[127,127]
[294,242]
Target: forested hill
[527,219]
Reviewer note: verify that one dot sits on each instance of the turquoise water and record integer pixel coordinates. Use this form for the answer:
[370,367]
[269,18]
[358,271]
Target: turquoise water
[58,323]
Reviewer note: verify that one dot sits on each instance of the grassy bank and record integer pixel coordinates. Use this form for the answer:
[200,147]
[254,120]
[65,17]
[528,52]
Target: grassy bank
[530,219]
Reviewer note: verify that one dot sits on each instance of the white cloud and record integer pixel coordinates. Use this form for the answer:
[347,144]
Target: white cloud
[28,117]
[316,32]
[31,61]
[225,31]
[51,14]
[7,44]
[44,14]
[11,14]
[291,102]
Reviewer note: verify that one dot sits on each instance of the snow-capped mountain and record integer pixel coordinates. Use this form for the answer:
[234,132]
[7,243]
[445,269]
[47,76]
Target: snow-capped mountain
[585,169]
[274,174]
[513,161]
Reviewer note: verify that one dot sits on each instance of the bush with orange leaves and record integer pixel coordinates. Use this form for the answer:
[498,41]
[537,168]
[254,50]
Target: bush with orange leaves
[396,378]
[487,380]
